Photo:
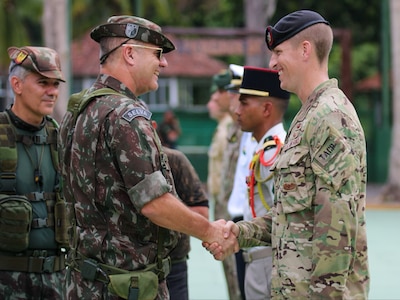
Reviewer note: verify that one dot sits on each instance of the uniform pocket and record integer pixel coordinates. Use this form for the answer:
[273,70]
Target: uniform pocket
[292,185]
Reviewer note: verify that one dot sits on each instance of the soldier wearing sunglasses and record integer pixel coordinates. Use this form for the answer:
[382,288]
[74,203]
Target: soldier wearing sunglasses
[117,175]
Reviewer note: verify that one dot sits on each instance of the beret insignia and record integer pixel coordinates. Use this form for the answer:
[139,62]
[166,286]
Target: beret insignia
[268,36]
[131,30]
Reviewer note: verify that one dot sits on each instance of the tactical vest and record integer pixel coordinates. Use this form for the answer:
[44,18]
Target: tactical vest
[16,210]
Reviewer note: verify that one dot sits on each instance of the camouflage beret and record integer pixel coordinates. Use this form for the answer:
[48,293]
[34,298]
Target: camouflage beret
[262,82]
[133,28]
[220,80]
[290,25]
[42,60]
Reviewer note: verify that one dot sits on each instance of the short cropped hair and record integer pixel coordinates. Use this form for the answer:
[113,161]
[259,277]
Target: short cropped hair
[321,36]
[17,71]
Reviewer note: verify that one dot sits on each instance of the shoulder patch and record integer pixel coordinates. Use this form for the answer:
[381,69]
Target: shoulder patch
[328,151]
[136,112]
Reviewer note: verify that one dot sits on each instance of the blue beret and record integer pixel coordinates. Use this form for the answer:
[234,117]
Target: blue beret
[262,82]
[290,25]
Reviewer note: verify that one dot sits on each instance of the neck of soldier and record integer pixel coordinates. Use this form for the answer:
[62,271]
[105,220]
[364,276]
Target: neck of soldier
[121,72]
[25,114]
[263,129]
[311,80]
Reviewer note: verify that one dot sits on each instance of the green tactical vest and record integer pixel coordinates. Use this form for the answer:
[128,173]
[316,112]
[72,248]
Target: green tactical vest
[16,219]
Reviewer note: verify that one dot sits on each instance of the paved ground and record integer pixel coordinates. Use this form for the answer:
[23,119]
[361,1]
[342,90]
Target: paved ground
[206,279]
[374,201]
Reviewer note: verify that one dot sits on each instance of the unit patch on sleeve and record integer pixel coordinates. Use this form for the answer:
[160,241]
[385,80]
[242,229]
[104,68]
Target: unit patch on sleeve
[328,151]
[136,112]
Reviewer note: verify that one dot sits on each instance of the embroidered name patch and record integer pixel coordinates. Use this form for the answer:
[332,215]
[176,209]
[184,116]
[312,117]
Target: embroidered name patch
[136,112]
[329,150]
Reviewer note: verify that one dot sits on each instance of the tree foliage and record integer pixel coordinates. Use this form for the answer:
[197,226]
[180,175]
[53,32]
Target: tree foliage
[19,25]
[361,16]
[21,19]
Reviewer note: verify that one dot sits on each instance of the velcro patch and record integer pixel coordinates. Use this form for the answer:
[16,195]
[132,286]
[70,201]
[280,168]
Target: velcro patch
[329,150]
[136,112]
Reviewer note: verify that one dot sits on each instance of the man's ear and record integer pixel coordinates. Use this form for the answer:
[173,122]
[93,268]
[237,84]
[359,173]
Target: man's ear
[266,107]
[16,85]
[306,48]
[128,54]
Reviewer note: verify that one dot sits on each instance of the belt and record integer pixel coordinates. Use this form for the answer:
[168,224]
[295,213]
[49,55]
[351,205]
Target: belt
[32,264]
[95,271]
[256,254]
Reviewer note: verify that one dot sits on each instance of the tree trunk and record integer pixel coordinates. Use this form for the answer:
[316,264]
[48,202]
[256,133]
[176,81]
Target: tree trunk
[56,36]
[257,16]
[391,191]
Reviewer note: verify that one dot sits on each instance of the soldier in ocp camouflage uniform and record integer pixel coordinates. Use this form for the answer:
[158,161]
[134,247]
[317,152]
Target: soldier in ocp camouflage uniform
[317,228]
[35,269]
[115,171]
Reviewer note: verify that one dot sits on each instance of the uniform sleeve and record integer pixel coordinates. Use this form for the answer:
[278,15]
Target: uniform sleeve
[256,232]
[136,150]
[334,162]
[215,155]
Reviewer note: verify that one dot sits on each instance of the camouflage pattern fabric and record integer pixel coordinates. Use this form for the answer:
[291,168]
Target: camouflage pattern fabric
[317,227]
[230,158]
[42,60]
[135,28]
[32,286]
[189,189]
[215,157]
[27,285]
[229,162]
[112,168]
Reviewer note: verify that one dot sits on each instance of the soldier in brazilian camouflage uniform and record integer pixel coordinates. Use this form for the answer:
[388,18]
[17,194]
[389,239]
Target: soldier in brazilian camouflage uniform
[317,228]
[115,171]
[36,271]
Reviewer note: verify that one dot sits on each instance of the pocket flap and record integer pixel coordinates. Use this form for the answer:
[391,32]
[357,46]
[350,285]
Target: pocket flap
[145,281]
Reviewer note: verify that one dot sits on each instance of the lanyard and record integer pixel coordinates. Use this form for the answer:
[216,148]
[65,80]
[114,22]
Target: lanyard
[255,177]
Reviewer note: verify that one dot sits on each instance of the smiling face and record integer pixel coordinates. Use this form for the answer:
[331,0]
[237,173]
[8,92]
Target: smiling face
[286,58]
[35,96]
[147,68]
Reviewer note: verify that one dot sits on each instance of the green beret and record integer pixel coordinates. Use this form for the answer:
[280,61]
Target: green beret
[220,80]
[290,25]
[133,28]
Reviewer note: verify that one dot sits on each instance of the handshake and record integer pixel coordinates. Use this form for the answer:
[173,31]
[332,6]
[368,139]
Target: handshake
[223,239]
